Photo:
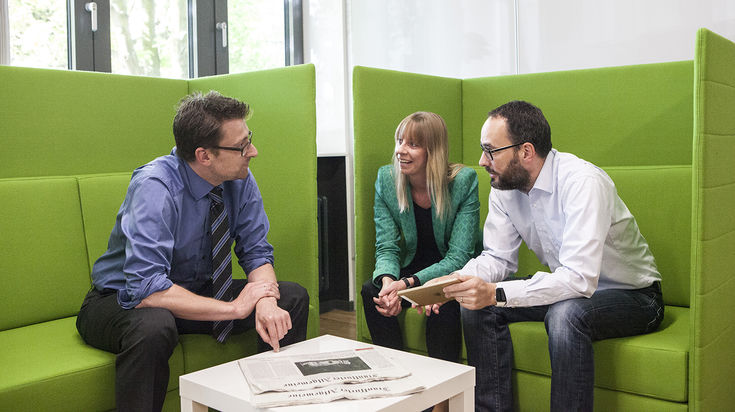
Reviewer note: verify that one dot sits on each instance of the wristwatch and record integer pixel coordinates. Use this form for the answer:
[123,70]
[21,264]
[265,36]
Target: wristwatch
[500,297]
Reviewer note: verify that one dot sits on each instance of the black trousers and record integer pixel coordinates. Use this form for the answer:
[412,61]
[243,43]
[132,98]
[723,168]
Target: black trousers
[443,330]
[144,339]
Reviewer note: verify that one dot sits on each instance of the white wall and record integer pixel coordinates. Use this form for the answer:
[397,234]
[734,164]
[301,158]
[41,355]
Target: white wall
[461,38]
[577,34]
[325,39]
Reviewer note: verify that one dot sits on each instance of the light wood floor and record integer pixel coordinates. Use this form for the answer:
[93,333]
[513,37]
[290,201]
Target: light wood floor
[338,323]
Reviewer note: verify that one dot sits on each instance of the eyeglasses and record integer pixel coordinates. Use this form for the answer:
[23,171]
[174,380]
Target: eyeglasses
[242,150]
[490,152]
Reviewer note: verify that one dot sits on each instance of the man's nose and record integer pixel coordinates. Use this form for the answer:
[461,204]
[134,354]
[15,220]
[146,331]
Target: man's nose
[484,160]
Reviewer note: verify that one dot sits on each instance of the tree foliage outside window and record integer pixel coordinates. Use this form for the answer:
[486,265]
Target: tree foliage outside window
[149,38]
[38,33]
[256,35]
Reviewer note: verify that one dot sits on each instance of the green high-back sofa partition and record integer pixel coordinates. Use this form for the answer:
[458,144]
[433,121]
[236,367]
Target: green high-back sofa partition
[664,132]
[70,141]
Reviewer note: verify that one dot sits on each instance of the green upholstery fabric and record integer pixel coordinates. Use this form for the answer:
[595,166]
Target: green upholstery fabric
[44,264]
[660,198]
[75,122]
[87,132]
[101,197]
[613,116]
[713,234]
[618,362]
[58,372]
[635,122]
[201,351]
[532,394]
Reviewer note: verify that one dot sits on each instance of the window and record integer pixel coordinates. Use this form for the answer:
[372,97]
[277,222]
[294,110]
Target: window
[256,35]
[167,38]
[38,33]
[149,38]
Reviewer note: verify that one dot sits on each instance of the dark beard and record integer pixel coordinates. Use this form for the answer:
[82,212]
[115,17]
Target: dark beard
[515,177]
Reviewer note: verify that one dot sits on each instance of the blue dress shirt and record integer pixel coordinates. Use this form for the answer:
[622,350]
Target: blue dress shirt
[161,234]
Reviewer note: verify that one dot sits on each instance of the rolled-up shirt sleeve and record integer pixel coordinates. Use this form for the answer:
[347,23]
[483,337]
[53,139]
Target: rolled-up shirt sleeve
[148,224]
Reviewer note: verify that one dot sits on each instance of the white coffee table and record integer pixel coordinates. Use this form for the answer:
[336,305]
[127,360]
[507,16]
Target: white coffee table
[224,388]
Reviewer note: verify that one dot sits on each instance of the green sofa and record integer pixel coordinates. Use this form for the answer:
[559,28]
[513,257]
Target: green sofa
[70,141]
[665,133]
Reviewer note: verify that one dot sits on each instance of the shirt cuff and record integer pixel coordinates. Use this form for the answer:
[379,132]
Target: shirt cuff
[514,292]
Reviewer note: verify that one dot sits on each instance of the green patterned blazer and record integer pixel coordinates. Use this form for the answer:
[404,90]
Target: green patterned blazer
[457,237]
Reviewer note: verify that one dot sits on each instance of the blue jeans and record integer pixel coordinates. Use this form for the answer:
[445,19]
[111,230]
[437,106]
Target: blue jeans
[572,326]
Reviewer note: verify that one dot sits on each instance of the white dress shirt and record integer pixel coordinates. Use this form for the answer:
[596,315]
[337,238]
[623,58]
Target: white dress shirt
[577,225]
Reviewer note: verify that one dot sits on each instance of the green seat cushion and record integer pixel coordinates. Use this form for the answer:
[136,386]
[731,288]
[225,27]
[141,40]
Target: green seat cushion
[532,392]
[203,351]
[47,366]
[653,364]
[44,264]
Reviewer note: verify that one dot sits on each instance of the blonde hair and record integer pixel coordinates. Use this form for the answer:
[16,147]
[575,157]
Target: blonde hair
[429,131]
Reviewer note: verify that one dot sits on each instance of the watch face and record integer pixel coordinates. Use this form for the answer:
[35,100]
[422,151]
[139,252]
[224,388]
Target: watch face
[499,295]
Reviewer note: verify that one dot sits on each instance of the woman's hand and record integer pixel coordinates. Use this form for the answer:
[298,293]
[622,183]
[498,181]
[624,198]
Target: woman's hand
[388,303]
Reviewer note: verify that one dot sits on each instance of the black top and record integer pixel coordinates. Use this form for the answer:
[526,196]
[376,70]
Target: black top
[427,252]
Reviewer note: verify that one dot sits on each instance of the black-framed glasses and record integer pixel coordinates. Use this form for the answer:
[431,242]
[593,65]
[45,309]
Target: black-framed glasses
[242,150]
[490,152]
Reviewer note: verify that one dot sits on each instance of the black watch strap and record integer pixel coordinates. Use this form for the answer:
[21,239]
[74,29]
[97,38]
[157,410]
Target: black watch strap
[500,297]
[408,284]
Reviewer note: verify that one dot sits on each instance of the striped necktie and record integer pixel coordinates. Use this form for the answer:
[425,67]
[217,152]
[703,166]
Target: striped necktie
[221,259]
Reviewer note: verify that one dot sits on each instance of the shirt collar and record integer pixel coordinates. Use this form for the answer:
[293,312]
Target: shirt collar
[545,179]
[198,187]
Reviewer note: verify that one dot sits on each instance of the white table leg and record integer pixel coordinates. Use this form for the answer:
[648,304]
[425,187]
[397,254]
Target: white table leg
[463,401]
[187,405]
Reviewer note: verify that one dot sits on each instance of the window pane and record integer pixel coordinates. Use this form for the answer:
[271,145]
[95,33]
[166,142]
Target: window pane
[256,31]
[38,33]
[149,38]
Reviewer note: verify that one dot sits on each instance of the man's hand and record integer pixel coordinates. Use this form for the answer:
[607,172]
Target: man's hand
[251,294]
[434,308]
[472,292]
[388,303]
[271,322]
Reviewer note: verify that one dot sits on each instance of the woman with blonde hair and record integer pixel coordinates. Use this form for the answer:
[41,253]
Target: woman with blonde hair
[426,225]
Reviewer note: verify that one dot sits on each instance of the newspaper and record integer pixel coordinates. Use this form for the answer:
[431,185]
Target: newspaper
[396,387]
[300,372]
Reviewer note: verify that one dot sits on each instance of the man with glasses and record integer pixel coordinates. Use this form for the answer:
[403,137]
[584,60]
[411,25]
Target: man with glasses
[167,270]
[603,281]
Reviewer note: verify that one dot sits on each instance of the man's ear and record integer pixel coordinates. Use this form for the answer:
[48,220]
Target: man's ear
[528,151]
[202,156]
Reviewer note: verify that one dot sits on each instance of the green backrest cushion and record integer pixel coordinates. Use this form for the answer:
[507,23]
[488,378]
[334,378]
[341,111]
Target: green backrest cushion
[660,199]
[382,98]
[613,116]
[59,122]
[713,336]
[44,265]
[101,197]
[283,121]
